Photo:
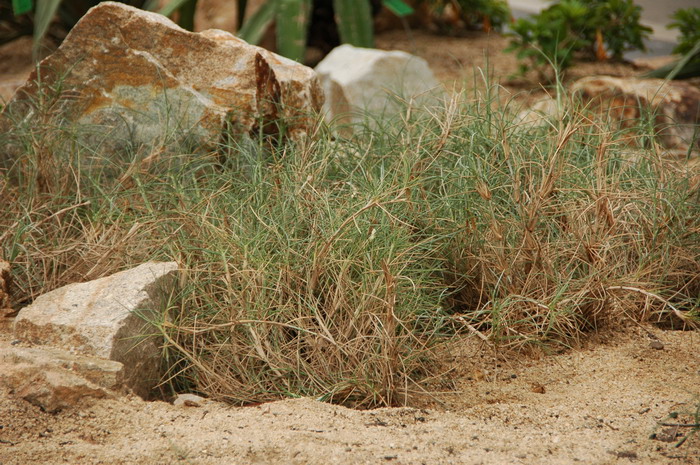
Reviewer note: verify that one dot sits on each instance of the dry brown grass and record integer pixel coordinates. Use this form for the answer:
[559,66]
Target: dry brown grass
[332,268]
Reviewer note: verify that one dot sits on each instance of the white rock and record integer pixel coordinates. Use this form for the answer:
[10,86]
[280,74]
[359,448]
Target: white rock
[540,114]
[189,400]
[360,82]
[106,318]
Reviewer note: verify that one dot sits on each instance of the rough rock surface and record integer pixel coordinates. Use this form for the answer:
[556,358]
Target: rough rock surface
[146,78]
[675,106]
[538,113]
[5,307]
[55,379]
[360,82]
[106,318]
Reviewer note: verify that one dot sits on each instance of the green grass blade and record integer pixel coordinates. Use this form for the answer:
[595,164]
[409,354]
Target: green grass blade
[687,66]
[171,7]
[44,14]
[241,6]
[253,29]
[150,5]
[292,22]
[20,7]
[398,7]
[186,16]
[354,18]
[693,53]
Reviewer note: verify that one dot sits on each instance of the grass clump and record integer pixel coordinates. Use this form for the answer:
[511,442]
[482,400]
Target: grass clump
[331,267]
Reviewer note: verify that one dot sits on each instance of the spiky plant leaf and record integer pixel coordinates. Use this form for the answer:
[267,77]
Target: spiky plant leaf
[20,7]
[398,7]
[170,7]
[253,29]
[354,19]
[292,20]
[44,14]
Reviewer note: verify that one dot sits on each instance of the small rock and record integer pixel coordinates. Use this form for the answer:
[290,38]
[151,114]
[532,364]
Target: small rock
[625,454]
[361,82]
[538,388]
[106,318]
[675,105]
[656,345]
[189,400]
[667,434]
[538,114]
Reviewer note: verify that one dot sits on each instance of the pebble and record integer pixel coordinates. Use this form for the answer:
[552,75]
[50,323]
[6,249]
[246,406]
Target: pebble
[657,345]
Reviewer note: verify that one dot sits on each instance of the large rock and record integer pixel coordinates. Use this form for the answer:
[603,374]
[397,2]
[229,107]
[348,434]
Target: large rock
[360,82]
[108,318]
[675,106]
[55,379]
[146,78]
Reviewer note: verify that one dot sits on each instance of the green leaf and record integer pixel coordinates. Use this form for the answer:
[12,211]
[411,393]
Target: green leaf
[398,7]
[253,29]
[44,14]
[292,21]
[695,51]
[171,7]
[150,5]
[186,16]
[20,7]
[354,19]
[241,6]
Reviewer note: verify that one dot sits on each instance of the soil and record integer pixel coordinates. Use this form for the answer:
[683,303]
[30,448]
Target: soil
[602,403]
[596,405]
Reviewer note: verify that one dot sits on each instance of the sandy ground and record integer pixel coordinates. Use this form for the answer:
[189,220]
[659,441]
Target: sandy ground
[475,59]
[599,404]
[596,405]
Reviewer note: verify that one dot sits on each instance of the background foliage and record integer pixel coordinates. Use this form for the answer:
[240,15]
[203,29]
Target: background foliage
[589,29]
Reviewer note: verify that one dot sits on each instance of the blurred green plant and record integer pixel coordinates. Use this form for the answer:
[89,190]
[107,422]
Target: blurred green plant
[687,21]
[589,29]
[618,22]
[69,12]
[292,19]
[475,14]
[549,37]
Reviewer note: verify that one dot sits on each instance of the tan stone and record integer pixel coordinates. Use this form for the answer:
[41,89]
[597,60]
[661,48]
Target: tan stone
[210,15]
[55,390]
[55,379]
[674,105]
[144,77]
[24,362]
[108,318]
[6,309]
